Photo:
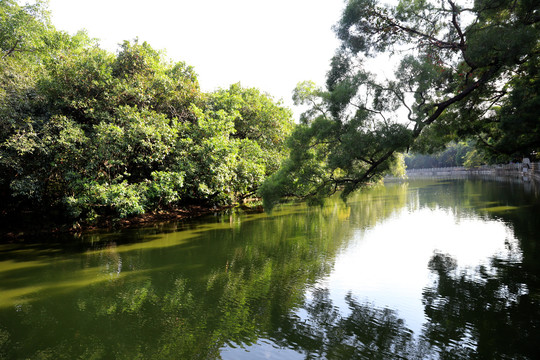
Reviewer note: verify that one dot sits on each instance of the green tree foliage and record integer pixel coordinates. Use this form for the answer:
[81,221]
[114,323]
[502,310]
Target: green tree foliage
[22,28]
[515,129]
[455,154]
[89,133]
[462,73]
[260,129]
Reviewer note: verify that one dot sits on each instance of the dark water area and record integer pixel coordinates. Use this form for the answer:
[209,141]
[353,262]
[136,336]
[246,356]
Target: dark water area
[430,269]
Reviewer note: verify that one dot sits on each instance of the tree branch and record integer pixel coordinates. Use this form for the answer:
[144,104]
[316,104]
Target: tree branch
[432,40]
[12,50]
[440,107]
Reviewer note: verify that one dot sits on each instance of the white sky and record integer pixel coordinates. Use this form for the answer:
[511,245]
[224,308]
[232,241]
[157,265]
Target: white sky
[271,45]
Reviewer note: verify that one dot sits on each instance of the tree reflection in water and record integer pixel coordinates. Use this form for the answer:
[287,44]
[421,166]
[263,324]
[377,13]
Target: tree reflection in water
[493,313]
[367,332]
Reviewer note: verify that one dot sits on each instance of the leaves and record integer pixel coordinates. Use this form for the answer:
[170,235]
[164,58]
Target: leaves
[457,67]
[92,134]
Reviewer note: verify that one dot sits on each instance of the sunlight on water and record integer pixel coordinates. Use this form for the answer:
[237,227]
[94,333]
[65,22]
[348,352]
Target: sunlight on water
[101,265]
[11,297]
[160,242]
[499,208]
[11,265]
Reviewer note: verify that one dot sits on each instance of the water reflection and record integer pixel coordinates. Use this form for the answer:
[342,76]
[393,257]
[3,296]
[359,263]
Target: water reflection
[346,281]
[494,314]
[367,332]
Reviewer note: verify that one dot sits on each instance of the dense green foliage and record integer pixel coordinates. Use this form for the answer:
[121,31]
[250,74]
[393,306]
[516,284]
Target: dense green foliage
[455,154]
[86,133]
[465,71]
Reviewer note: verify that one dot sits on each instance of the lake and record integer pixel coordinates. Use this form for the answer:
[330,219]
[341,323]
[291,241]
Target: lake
[430,269]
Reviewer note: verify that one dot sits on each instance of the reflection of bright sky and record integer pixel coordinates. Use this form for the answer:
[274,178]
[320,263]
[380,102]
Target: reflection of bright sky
[264,349]
[387,265]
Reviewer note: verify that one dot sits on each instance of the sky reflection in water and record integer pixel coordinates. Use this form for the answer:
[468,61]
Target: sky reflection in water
[387,265]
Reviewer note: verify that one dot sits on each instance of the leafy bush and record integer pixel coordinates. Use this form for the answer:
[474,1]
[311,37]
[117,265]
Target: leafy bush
[165,188]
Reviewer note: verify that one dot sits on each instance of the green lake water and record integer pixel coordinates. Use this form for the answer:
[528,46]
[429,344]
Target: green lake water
[421,270]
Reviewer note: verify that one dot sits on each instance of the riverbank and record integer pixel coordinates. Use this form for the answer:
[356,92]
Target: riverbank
[14,228]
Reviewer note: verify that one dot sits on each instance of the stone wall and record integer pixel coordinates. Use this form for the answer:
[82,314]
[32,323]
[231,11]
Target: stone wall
[525,171]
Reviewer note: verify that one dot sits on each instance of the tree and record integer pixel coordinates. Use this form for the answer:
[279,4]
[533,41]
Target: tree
[514,131]
[22,28]
[86,134]
[458,64]
[237,140]
[261,126]
[455,154]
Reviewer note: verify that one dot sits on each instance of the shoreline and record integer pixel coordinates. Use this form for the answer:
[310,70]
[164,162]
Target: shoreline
[20,232]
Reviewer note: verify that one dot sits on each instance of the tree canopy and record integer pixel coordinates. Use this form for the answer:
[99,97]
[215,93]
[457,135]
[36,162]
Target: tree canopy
[465,70]
[86,133]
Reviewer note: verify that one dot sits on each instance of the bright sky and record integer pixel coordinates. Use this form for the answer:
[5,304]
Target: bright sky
[271,45]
